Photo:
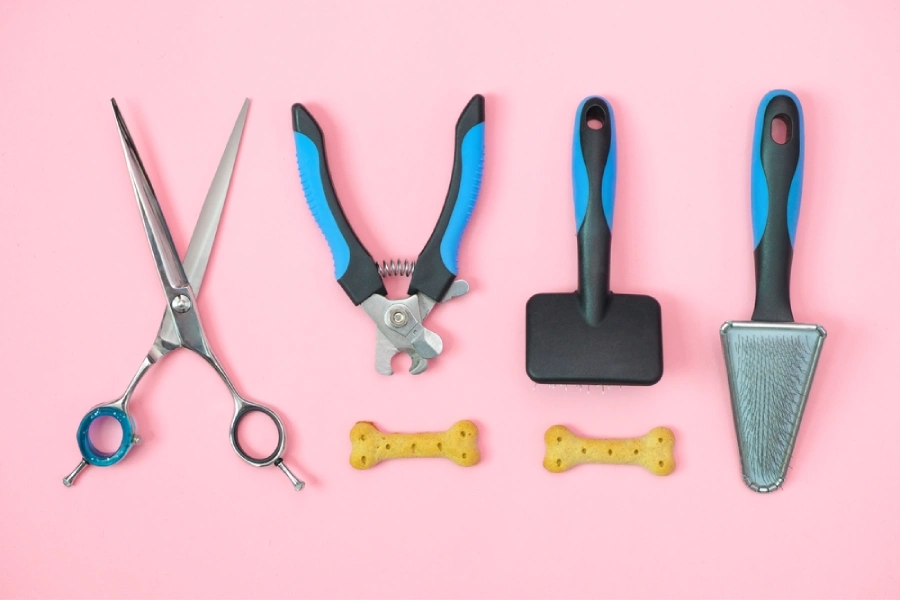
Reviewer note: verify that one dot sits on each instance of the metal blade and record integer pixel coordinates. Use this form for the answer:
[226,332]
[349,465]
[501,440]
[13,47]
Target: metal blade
[204,235]
[384,352]
[171,272]
[205,230]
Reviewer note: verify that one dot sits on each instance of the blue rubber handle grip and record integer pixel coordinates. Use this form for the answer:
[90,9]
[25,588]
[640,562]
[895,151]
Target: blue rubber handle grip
[437,264]
[605,172]
[776,182]
[354,267]
[594,187]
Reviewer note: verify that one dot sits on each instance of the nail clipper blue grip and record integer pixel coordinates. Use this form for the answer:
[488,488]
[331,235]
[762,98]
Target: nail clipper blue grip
[89,452]
[581,182]
[776,182]
[437,265]
[354,267]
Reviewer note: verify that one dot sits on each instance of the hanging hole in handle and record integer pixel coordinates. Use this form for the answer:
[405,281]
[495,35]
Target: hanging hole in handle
[781,129]
[261,429]
[595,117]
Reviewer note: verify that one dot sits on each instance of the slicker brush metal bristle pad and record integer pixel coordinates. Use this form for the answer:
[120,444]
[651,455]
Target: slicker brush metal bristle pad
[770,372]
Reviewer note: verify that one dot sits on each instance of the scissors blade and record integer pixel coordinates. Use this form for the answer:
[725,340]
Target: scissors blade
[171,272]
[204,235]
[205,230]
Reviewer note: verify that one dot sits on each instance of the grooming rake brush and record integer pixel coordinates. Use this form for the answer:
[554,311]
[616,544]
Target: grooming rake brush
[771,360]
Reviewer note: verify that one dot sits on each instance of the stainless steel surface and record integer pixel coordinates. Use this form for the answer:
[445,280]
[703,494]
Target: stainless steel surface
[149,360]
[458,288]
[204,235]
[69,479]
[400,328]
[171,271]
[385,352]
[411,337]
[397,316]
[200,247]
[770,372]
[181,303]
[181,325]
[396,268]
[298,485]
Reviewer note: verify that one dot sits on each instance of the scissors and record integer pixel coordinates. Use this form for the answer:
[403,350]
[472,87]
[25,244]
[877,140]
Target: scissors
[181,327]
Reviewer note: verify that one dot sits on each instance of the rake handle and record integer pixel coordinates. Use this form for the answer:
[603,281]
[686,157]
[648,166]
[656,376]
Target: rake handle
[776,182]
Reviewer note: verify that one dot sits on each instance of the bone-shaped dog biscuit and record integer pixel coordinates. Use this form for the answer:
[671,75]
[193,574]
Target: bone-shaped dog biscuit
[652,451]
[370,446]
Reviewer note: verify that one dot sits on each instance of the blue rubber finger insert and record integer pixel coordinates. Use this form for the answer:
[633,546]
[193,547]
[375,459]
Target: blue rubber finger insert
[89,452]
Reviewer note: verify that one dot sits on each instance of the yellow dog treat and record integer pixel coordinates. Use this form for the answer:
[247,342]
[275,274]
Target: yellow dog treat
[370,446]
[653,451]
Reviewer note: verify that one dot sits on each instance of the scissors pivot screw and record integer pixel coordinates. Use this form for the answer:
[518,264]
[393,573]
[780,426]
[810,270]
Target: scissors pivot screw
[398,316]
[181,303]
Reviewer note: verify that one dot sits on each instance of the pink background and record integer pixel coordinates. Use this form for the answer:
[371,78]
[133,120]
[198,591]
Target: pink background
[184,517]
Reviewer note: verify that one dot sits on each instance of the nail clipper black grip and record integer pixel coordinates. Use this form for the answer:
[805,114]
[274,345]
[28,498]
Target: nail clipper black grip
[436,266]
[354,267]
[776,177]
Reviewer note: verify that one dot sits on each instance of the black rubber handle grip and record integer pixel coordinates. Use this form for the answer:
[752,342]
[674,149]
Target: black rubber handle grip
[776,182]
[437,266]
[594,176]
[354,267]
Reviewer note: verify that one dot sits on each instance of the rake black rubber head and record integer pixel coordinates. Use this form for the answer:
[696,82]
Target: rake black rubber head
[593,336]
